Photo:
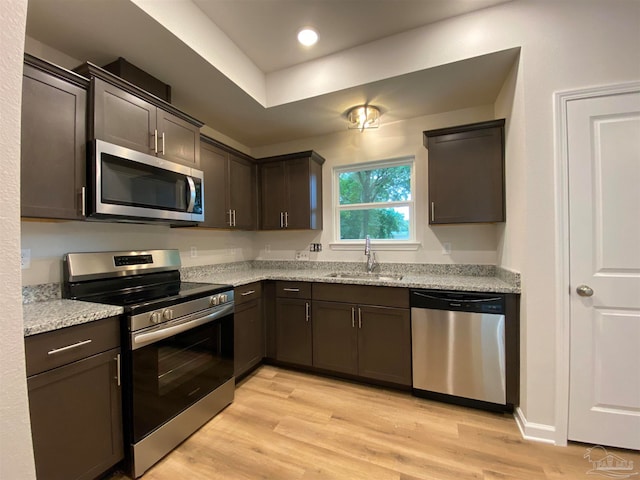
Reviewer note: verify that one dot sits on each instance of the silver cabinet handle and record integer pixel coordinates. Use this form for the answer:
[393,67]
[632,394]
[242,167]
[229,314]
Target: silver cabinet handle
[249,292]
[286,219]
[584,290]
[359,318]
[281,219]
[117,359]
[83,201]
[162,143]
[291,289]
[353,317]
[155,141]
[230,218]
[69,347]
[234,218]
[433,211]
[307,308]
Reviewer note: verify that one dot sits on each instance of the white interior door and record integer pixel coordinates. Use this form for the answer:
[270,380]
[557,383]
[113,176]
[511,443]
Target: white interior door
[604,210]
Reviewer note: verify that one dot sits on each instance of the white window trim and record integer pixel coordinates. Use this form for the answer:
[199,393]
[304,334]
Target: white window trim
[379,244]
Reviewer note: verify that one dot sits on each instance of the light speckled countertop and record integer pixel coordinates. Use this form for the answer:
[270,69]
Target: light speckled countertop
[410,280]
[44,310]
[40,317]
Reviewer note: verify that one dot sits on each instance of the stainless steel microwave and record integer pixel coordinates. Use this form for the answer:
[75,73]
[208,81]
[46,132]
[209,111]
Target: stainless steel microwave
[126,185]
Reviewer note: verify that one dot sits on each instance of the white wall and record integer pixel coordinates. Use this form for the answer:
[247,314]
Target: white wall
[48,241]
[16,455]
[469,243]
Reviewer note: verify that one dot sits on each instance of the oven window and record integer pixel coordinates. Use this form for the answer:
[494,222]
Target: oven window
[172,374]
[138,185]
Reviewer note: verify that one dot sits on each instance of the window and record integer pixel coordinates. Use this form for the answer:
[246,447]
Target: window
[375,199]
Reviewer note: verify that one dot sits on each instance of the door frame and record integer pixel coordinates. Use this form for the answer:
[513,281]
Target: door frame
[562,269]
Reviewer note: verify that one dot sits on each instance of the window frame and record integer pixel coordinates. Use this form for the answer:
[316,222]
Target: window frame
[336,208]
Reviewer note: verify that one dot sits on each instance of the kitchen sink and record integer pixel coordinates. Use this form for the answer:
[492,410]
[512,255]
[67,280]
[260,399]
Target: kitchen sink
[373,276]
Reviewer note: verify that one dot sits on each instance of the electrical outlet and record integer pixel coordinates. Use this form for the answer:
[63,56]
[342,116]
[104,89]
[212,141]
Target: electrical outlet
[267,248]
[25,258]
[446,248]
[302,255]
[194,252]
[315,247]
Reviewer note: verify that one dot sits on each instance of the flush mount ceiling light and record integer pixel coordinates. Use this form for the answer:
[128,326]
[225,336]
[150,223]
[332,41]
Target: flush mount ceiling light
[307,36]
[364,116]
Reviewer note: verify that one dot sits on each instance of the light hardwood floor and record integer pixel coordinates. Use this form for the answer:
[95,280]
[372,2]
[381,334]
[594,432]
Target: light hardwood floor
[290,425]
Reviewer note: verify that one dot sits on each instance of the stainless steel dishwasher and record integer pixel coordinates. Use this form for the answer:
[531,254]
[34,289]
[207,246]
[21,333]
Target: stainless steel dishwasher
[458,347]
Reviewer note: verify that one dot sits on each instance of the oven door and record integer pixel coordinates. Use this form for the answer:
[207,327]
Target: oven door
[176,364]
[133,185]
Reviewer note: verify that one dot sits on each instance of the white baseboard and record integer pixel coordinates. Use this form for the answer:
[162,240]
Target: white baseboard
[537,432]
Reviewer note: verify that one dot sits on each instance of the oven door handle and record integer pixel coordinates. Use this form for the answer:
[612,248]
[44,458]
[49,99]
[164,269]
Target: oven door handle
[140,340]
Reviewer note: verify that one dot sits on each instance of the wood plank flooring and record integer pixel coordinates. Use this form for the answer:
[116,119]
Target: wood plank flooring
[290,425]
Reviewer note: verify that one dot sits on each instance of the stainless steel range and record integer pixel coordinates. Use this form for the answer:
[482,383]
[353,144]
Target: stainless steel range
[177,342]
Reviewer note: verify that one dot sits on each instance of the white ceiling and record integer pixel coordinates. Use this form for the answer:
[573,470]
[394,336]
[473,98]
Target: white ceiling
[264,30]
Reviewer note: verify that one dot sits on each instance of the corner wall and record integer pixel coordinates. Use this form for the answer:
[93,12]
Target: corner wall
[16,453]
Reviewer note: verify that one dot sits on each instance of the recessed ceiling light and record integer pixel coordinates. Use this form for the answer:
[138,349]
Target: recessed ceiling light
[307,36]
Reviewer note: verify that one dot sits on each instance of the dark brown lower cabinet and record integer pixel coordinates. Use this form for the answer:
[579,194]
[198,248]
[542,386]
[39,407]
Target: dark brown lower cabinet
[249,342]
[293,331]
[384,344]
[76,418]
[368,341]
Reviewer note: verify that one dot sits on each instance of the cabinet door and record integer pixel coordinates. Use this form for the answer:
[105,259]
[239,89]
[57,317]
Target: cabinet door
[466,177]
[335,337]
[213,162]
[178,140]
[384,344]
[122,118]
[248,336]
[293,331]
[53,146]
[242,192]
[272,195]
[297,205]
[76,418]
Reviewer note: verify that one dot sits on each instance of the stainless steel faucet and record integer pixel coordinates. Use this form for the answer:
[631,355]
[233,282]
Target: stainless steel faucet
[371,255]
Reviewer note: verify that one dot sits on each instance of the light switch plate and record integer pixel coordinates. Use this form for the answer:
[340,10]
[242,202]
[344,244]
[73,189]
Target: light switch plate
[446,248]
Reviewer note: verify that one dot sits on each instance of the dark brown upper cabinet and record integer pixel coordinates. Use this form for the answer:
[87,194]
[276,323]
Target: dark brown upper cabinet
[466,173]
[230,187]
[53,143]
[291,191]
[123,114]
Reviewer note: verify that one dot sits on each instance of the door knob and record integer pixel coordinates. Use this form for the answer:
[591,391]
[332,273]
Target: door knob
[584,290]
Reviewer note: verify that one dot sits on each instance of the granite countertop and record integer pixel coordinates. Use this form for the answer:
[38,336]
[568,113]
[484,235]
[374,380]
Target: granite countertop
[49,315]
[410,280]
[44,310]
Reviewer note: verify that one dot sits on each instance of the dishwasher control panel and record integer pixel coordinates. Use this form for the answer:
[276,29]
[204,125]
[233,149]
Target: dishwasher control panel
[458,301]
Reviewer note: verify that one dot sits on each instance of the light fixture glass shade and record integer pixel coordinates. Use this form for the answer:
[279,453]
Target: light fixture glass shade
[364,116]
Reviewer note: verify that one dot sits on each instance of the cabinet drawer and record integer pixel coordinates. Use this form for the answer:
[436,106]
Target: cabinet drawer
[53,349]
[362,294]
[246,293]
[293,289]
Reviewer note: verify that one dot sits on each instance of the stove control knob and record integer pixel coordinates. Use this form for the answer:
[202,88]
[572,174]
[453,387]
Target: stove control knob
[224,298]
[168,314]
[155,317]
[214,300]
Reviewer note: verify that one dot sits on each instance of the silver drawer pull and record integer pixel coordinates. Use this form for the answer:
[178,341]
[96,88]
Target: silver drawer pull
[68,347]
[249,292]
[291,289]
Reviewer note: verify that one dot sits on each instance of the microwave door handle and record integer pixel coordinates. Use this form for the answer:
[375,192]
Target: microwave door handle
[192,194]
